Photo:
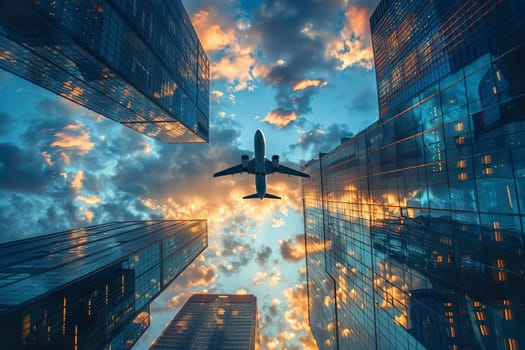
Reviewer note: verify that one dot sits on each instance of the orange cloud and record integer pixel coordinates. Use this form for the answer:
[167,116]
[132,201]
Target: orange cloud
[280,118]
[275,278]
[297,315]
[229,40]
[353,46]
[202,276]
[292,250]
[259,278]
[237,69]
[88,214]
[308,342]
[47,158]
[306,83]
[79,140]
[89,199]
[277,222]
[212,34]
[76,183]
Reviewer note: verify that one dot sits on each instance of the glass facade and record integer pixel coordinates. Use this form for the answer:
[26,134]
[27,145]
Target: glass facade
[414,227]
[90,288]
[213,322]
[138,62]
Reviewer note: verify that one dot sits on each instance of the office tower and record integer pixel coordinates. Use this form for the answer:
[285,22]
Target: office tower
[213,322]
[414,227]
[138,62]
[90,288]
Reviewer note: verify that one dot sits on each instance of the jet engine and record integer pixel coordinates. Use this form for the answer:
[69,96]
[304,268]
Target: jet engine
[244,161]
[275,161]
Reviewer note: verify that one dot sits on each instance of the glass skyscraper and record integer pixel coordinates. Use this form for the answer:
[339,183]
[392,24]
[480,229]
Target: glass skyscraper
[415,226]
[138,62]
[91,287]
[213,322]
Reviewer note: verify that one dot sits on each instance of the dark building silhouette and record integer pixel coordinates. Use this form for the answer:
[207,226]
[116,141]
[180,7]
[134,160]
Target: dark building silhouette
[90,288]
[139,63]
[414,227]
[213,322]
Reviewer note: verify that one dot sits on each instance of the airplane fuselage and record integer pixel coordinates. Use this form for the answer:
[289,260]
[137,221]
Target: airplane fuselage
[260,163]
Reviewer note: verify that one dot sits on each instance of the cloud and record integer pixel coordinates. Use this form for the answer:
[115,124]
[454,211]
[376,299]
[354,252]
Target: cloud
[292,250]
[293,37]
[263,255]
[6,119]
[225,36]
[197,275]
[89,199]
[280,118]
[259,277]
[74,139]
[353,47]
[211,34]
[275,278]
[88,214]
[22,171]
[278,222]
[306,83]
[47,158]
[317,138]
[297,314]
[76,182]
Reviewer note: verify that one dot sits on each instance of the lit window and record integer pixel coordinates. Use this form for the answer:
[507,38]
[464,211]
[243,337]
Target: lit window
[497,236]
[507,314]
[494,90]
[501,276]
[486,159]
[462,163]
[460,140]
[487,171]
[513,344]
[501,263]
[484,330]
[462,176]
[459,127]
[480,316]
[498,75]
[452,332]
[64,312]
[26,326]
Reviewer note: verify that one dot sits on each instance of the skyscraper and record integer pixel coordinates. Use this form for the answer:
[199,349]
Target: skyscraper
[139,63]
[414,227]
[90,288]
[213,322]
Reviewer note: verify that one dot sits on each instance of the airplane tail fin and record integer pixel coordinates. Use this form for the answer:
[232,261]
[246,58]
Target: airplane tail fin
[266,195]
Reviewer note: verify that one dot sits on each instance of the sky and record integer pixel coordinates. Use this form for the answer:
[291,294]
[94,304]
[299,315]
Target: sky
[301,71]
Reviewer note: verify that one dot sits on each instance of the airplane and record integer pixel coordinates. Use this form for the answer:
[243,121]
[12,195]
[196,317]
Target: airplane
[260,166]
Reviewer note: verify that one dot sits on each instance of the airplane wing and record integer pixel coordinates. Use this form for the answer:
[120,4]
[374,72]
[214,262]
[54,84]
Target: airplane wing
[283,170]
[237,169]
